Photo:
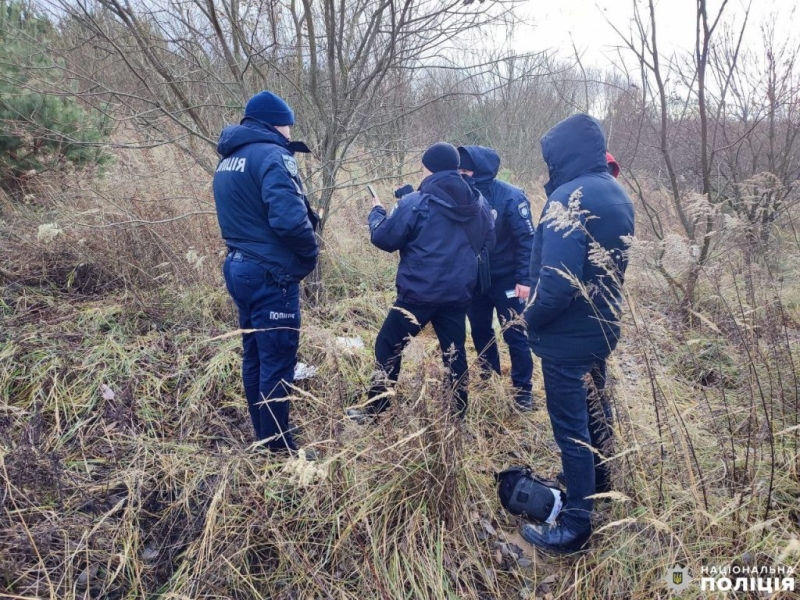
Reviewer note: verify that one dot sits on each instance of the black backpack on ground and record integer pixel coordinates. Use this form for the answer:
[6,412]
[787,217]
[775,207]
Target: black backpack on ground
[524,494]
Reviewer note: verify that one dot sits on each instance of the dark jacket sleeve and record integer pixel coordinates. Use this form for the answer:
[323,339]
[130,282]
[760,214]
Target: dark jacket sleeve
[287,210]
[392,232]
[563,254]
[522,230]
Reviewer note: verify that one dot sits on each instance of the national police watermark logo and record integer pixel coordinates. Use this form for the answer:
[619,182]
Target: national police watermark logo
[523,209]
[494,214]
[291,164]
[677,578]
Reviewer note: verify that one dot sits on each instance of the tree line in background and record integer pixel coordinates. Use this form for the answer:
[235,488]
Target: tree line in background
[708,140]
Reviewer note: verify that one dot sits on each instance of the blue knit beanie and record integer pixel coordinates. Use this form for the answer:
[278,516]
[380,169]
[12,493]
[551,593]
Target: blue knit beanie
[441,157]
[270,109]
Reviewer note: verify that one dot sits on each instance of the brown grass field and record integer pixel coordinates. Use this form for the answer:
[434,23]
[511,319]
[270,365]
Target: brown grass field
[126,466]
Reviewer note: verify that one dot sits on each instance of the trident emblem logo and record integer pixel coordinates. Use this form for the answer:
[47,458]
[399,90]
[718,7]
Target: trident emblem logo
[677,578]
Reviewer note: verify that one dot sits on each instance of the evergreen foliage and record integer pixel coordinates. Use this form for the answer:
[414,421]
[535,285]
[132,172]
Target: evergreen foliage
[39,130]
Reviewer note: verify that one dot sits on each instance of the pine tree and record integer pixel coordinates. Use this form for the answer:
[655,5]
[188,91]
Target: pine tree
[39,131]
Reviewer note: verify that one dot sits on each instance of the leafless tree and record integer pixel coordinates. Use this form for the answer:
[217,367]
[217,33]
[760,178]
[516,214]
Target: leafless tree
[181,69]
[759,166]
[682,114]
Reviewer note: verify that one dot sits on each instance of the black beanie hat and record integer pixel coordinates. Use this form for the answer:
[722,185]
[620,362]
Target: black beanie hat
[441,157]
[467,163]
[269,108]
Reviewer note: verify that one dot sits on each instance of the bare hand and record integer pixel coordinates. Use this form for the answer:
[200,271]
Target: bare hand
[523,291]
[376,202]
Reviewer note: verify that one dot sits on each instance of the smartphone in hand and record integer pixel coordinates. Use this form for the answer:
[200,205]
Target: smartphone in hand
[371,191]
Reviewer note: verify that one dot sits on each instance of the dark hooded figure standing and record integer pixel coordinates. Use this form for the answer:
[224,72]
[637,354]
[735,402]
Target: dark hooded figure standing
[268,227]
[577,269]
[509,272]
[439,230]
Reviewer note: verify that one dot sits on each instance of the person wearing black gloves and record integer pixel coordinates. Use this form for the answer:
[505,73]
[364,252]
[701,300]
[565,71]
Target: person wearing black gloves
[508,285]
[577,268]
[403,190]
[268,227]
[439,231]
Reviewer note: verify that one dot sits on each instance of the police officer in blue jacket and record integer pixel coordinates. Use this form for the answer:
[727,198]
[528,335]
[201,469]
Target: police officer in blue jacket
[509,272]
[439,231]
[268,227]
[577,269]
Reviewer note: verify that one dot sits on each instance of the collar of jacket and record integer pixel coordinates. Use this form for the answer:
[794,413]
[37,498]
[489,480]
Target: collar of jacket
[277,137]
[435,178]
[485,186]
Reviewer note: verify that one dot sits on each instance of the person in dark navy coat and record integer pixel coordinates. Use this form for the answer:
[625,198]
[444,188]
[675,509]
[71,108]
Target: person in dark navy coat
[509,281]
[269,229]
[439,231]
[577,271]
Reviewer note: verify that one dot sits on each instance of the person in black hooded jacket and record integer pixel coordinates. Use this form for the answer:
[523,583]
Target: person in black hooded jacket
[439,231]
[509,273]
[578,265]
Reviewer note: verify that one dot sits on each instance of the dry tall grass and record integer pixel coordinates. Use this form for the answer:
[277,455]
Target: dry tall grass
[125,456]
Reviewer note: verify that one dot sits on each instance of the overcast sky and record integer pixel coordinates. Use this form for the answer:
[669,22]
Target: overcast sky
[558,22]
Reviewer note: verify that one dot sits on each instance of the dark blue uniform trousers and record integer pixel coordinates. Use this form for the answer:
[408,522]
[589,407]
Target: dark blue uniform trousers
[481,313]
[270,354]
[405,321]
[579,412]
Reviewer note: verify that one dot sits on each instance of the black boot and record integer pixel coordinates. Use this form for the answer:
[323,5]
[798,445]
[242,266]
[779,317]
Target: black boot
[523,400]
[309,454]
[366,413]
[555,539]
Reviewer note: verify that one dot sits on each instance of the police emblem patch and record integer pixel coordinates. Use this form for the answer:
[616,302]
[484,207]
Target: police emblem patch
[291,164]
[677,578]
[523,209]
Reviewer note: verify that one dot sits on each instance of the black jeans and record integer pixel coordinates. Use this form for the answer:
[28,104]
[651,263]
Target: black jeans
[579,412]
[269,354]
[481,314]
[405,321]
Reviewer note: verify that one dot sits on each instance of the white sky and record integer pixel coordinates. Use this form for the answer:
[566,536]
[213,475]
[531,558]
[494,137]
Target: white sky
[557,23]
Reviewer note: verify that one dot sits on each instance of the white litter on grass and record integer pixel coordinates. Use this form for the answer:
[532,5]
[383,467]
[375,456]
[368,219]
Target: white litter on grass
[194,259]
[48,232]
[150,554]
[350,342]
[304,371]
[304,473]
[107,392]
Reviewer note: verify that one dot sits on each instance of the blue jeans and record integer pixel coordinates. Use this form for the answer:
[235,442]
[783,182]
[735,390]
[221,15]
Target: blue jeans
[480,314]
[270,354]
[579,412]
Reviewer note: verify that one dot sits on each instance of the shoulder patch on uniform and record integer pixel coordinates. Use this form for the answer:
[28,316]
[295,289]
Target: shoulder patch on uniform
[291,164]
[524,210]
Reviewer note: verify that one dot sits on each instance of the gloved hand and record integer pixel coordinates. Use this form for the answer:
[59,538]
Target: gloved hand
[403,191]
